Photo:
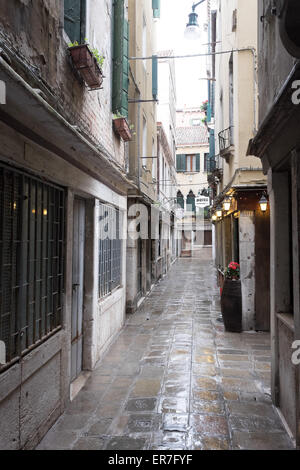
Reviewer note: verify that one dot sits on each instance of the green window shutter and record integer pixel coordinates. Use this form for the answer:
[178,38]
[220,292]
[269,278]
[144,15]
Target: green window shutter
[156,8]
[181,162]
[154,77]
[198,162]
[74,19]
[120,60]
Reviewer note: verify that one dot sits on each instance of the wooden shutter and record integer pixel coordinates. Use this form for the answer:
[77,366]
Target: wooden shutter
[120,60]
[156,8]
[198,162]
[154,77]
[181,162]
[74,19]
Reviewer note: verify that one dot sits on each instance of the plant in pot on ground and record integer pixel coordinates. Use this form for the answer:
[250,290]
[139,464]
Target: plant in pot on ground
[122,128]
[88,62]
[231,298]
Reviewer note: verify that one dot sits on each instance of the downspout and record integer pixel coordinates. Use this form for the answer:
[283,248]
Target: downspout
[139,145]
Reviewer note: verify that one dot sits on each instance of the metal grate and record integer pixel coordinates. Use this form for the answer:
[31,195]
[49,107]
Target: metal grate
[226,138]
[110,249]
[31,260]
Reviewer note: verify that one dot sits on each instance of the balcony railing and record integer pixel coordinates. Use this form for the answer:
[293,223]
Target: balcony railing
[214,164]
[215,170]
[226,141]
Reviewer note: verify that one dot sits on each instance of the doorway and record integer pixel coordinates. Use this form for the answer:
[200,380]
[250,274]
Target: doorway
[77,287]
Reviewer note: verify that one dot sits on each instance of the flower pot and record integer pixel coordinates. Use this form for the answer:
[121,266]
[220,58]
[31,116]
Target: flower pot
[122,129]
[231,305]
[86,64]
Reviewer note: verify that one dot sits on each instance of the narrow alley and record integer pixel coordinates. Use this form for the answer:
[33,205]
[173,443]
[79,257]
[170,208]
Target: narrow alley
[174,380]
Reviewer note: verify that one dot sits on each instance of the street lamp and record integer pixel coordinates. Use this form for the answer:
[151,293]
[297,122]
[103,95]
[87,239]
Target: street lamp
[192,30]
[227,204]
[263,203]
[219,211]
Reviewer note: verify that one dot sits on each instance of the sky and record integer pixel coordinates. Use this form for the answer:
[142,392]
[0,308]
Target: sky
[191,91]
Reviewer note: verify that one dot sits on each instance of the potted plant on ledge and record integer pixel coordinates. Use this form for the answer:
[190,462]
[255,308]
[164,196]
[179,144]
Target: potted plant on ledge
[231,299]
[89,64]
[121,127]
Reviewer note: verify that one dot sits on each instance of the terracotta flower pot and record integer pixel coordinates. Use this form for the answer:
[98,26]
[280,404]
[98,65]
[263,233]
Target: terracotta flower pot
[86,64]
[122,129]
[231,305]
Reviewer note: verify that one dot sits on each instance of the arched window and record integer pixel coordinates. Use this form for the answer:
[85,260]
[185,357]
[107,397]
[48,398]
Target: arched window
[180,199]
[190,202]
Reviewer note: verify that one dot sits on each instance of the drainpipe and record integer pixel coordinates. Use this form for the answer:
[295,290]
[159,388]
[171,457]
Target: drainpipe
[139,145]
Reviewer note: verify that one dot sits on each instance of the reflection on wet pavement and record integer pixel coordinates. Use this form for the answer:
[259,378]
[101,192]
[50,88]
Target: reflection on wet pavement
[174,380]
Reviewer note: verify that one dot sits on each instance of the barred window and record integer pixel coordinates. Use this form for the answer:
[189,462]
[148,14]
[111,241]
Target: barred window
[110,249]
[31,260]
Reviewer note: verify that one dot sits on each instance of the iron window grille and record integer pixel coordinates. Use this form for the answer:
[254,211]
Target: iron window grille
[31,261]
[110,250]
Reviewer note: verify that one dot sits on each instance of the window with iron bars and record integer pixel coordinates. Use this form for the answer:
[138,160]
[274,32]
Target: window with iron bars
[31,261]
[110,250]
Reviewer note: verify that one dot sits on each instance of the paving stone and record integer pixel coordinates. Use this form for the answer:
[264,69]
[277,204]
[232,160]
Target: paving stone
[173,405]
[100,427]
[58,440]
[125,443]
[175,422]
[146,387]
[261,441]
[169,441]
[90,443]
[141,404]
[209,407]
[254,424]
[251,409]
[209,425]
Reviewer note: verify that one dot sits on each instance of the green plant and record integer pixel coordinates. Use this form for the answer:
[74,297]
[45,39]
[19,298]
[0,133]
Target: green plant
[232,271]
[118,116]
[73,44]
[99,58]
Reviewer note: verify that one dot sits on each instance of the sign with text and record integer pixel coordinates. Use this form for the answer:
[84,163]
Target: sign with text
[202,201]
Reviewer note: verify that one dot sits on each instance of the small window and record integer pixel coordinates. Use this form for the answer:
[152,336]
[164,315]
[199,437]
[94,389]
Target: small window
[75,20]
[110,249]
[191,163]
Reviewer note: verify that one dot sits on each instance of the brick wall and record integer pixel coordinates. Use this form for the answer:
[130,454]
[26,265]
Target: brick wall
[33,30]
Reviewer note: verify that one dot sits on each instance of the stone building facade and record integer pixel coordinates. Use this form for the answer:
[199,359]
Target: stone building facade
[142,167]
[63,203]
[242,231]
[277,144]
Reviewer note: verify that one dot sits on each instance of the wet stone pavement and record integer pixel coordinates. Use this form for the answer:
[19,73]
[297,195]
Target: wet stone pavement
[174,380]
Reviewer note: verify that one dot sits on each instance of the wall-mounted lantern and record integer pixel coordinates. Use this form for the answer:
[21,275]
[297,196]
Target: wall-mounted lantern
[219,211]
[227,204]
[263,203]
